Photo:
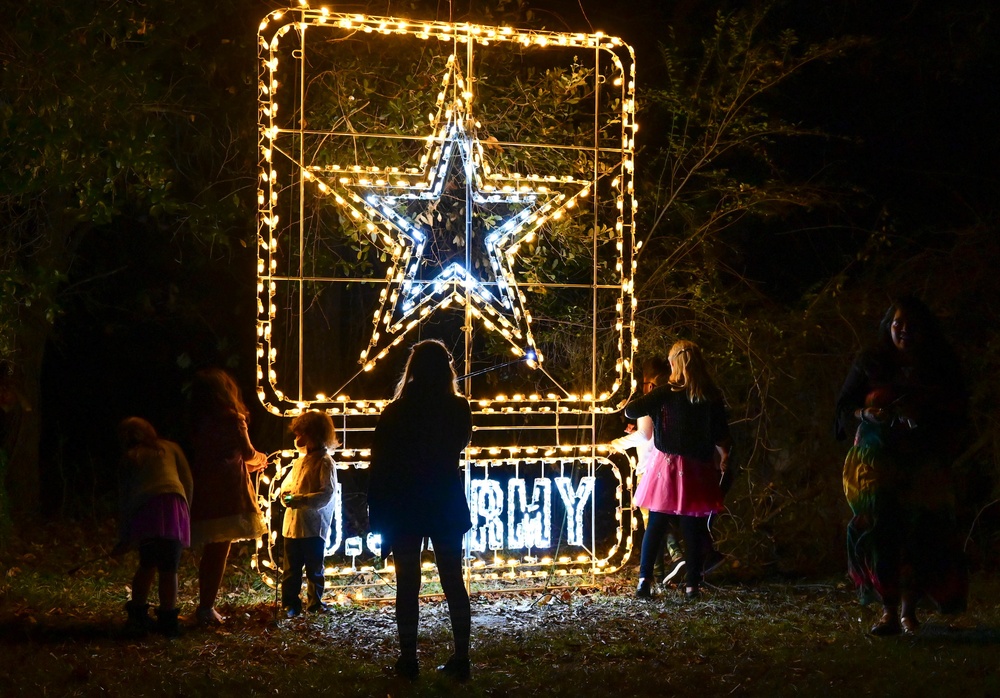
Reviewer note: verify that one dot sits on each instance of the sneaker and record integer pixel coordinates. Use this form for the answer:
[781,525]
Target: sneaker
[318,608]
[692,593]
[887,625]
[644,590]
[712,561]
[673,572]
[292,612]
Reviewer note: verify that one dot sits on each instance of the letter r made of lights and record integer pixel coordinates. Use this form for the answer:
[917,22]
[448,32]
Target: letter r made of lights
[472,184]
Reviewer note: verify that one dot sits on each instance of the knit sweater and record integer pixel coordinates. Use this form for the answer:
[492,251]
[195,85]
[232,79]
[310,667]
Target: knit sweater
[147,472]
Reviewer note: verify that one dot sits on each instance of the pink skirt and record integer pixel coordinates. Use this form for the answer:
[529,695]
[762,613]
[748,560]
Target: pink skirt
[163,516]
[675,484]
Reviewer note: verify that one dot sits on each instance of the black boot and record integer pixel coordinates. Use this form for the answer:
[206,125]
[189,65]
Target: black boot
[407,667]
[138,622]
[166,622]
[458,668]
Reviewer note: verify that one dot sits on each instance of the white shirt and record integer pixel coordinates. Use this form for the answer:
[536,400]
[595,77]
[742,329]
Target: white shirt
[313,481]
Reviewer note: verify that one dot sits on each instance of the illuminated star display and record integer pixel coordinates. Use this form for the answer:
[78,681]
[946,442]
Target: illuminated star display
[383,201]
[380,190]
[387,236]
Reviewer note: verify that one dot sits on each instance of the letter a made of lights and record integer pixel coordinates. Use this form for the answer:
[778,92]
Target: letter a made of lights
[470,183]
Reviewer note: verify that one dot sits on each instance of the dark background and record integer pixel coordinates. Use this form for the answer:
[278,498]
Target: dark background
[910,119]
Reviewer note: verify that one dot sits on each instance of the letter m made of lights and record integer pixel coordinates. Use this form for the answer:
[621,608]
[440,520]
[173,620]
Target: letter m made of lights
[472,184]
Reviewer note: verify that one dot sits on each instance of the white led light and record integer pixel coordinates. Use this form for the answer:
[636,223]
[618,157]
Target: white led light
[515,214]
[534,530]
[575,501]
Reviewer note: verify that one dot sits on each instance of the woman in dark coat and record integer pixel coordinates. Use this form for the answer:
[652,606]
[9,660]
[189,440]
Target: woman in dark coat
[905,395]
[417,491]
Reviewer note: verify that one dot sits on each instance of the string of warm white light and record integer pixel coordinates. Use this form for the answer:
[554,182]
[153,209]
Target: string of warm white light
[535,508]
[520,538]
[371,193]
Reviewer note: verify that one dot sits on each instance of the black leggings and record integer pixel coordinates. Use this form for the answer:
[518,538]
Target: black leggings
[697,540]
[448,555]
[162,553]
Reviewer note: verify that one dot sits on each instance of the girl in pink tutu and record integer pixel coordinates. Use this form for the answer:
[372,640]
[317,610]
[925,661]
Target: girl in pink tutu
[686,419]
[154,490]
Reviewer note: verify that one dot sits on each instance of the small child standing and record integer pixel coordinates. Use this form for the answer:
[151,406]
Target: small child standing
[307,494]
[154,490]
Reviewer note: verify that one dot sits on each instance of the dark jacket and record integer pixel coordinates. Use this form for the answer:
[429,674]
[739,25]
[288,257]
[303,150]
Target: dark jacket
[416,486]
[925,405]
[680,426]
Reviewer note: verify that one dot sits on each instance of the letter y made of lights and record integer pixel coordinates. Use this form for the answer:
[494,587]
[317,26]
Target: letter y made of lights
[472,184]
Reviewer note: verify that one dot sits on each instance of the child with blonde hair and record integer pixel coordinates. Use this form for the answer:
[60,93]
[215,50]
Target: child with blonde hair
[689,428]
[307,494]
[155,487]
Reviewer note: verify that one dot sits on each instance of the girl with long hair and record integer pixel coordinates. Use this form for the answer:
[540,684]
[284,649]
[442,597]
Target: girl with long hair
[225,506]
[416,491]
[689,430]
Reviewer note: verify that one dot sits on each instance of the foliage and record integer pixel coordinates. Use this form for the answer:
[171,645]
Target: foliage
[6,523]
[21,286]
[716,180]
[114,117]
[63,634]
[743,193]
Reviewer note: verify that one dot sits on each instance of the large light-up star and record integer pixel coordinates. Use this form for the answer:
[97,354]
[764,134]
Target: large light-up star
[381,199]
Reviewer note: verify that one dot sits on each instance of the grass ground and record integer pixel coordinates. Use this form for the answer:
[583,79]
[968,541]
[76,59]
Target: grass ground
[61,635]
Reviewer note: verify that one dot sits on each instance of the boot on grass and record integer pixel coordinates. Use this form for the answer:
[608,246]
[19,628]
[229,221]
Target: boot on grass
[138,622]
[166,622]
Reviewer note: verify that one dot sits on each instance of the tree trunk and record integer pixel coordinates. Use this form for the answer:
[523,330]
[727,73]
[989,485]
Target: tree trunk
[21,421]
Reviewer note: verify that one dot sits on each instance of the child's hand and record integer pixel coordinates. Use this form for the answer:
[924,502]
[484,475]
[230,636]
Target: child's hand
[290,500]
